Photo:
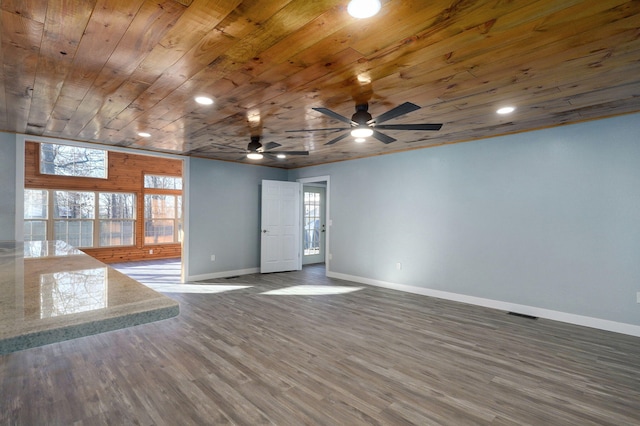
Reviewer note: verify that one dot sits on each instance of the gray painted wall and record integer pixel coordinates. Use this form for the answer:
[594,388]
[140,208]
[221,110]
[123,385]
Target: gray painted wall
[549,219]
[7,186]
[224,215]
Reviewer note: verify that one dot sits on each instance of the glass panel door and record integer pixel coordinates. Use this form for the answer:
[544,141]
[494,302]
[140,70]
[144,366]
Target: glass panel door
[314,226]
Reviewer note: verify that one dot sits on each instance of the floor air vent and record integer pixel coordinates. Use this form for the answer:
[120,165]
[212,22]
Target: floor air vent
[523,315]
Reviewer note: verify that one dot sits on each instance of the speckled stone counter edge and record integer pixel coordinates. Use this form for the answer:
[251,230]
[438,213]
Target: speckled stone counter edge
[55,335]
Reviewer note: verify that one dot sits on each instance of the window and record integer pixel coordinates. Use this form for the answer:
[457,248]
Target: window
[311,223]
[65,160]
[80,218]
[162,182]
[35,214]
[162,218]
[162,209]
[117,215]
[73,214]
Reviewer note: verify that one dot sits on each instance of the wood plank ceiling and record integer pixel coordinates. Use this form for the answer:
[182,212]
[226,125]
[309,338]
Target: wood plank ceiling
[103,70]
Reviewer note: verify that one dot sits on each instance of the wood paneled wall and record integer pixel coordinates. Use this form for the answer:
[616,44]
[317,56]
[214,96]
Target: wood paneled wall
[125,174]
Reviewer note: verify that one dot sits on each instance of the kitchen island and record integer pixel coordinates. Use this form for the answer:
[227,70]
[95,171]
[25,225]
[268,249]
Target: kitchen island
[50,292]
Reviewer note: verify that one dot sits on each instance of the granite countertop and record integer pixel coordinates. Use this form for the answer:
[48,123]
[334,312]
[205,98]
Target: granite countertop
[50,291]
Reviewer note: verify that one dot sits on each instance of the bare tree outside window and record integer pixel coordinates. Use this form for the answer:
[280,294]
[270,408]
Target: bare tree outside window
[65,160]
[162,182]
[160,219]
[73,214]
[80,218]
[162,209]
[35,214]
[117,218]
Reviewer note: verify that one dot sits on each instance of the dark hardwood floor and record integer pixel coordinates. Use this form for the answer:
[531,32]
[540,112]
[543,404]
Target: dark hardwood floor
[372,356]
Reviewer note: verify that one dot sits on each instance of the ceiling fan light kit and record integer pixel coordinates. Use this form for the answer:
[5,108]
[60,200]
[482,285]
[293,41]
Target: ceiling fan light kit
[362,9]
[362,132]
[254,156]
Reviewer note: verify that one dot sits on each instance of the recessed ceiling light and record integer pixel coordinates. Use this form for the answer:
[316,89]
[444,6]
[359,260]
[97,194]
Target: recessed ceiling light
[254,156]
[363,8]
[203,100]
[364,78]
[144,134]
[362,132]
[360,140]
[506,110]
[281,156]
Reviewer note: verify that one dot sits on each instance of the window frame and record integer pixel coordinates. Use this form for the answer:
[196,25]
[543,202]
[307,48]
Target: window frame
[176,219]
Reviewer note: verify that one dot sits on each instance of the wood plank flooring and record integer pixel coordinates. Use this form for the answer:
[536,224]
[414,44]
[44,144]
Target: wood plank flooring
[373,356]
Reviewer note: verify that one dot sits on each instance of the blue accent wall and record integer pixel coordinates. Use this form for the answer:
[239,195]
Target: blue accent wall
[548,218]
[224,214]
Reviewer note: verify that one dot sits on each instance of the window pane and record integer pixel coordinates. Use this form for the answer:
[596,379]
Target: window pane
[162,182]
[73,205]
[78,233]
[116,232]
[116,206]
[158,231]
[35,203]
[311,223]
[64,160]
[35,230]
[159,206]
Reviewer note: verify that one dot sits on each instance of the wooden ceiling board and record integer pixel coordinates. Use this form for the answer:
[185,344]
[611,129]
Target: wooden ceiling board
[63,29]
[103,70]
[20,37]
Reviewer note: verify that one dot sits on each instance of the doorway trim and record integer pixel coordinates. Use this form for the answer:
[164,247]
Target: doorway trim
[327,214]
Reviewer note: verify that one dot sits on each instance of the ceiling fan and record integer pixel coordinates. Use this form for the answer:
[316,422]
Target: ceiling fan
[256,151]
[362,125]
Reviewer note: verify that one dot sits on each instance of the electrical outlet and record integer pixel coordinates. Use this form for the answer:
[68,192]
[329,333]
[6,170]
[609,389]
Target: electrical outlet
[638,297]
[399,266]
[330,256]
[151,251]
[213,257]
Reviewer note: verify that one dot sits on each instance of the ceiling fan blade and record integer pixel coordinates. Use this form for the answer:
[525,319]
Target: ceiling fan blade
[212,150]
[271,145]
[382,137]
[402,109]
[424,126]
[339,138]
[315,130]
[335,115]
[287,152]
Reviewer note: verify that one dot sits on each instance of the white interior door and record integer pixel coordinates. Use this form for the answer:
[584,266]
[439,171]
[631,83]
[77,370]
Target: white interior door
[281,226]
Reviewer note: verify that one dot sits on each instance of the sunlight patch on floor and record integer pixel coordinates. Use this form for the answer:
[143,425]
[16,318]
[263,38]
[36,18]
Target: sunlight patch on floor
[194,288]
[311,290]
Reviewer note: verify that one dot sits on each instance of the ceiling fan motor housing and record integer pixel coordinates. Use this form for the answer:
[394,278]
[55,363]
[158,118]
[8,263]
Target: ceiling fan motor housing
[255,144]
[362,115]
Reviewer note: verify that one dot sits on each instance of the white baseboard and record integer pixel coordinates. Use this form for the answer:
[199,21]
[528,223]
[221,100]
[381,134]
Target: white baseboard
[617,327]
[223,274]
